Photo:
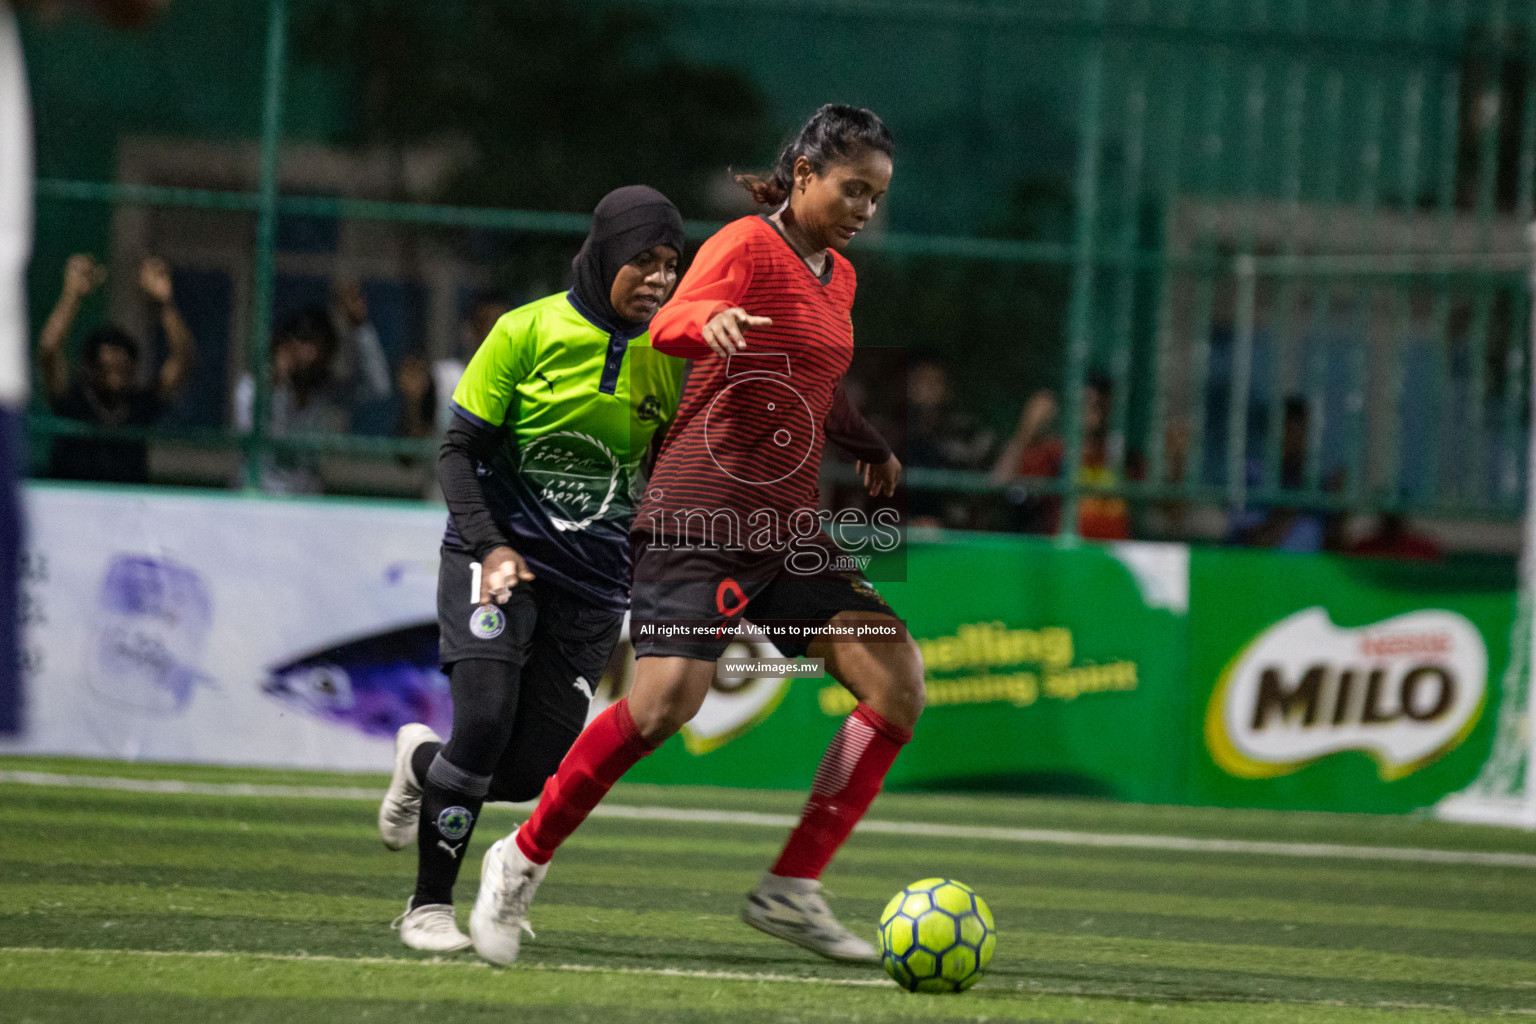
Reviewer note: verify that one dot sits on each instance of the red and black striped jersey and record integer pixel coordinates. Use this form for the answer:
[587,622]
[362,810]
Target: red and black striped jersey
[750,428]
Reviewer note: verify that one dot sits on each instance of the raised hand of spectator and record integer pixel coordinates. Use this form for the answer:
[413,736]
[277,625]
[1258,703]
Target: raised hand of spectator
[155,280]
[283,363]
[413,379]
[1038,413]
[82,275]
[352,302]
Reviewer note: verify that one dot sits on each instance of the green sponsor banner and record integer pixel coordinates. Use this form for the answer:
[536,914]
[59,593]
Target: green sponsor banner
[1157,673]
[1327,683]
[1048,669]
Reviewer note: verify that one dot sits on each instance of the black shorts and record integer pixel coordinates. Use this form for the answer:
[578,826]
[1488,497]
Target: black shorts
[540,625]
[708,587]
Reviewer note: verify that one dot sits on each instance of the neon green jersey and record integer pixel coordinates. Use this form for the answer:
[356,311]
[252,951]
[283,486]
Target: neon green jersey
[575,407]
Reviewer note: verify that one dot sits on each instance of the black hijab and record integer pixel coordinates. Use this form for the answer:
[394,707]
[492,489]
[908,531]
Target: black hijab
[627,222]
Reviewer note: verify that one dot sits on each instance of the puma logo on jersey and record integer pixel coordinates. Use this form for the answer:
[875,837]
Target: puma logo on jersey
[584,686]
[540,374]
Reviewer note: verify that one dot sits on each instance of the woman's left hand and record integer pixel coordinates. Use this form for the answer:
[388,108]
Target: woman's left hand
[881,479]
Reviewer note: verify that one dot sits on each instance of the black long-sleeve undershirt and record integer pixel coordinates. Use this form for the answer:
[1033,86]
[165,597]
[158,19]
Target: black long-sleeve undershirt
[464,445]
[848,429]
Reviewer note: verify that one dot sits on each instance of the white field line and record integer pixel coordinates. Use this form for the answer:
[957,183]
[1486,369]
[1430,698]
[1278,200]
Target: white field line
[1031,989]
[308,958]
[1183,844]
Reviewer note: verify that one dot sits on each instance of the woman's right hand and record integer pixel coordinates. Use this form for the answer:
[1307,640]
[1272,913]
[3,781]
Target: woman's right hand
[82,275]
[1038,413]
[722,333]
[501,570]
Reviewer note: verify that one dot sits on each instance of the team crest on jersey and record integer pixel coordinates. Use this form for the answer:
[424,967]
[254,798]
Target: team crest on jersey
[576,477]
[487,622]
[454,822]
[649,409]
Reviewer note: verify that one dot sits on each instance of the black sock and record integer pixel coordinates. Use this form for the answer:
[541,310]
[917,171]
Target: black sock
[450,803]
[421,760]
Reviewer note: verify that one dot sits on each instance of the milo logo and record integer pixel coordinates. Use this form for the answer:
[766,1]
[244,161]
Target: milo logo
[1405,691]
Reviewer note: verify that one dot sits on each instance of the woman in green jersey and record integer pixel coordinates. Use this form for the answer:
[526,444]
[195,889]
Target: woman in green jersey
[541,468]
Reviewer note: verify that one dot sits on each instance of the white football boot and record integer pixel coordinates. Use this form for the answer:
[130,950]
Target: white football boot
[793,909]
[508,881]
[401,809]
[431,927]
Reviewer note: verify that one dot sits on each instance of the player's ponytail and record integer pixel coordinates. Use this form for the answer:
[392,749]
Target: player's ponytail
[835,133]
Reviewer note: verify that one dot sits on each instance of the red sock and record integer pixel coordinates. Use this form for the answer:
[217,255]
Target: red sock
[850,775]
[601,755]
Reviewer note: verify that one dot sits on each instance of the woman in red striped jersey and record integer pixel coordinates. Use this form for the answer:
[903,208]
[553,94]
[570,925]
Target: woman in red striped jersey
[729,529]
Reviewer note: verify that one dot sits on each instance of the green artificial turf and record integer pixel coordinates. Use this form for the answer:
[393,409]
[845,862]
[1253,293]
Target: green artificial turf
[167,907]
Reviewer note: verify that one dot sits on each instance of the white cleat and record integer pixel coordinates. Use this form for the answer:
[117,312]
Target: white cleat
[508,881]
[431,927]
[793,909]
[401,809]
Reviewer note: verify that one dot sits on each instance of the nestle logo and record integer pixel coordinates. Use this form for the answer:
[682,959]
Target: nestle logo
[1397,645]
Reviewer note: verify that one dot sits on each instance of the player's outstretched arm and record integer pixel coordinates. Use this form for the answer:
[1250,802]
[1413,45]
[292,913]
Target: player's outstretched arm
[724,332]
[714,285]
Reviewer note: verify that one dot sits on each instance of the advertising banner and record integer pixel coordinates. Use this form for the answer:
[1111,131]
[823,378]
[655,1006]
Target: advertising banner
[1337,684]
[216,628]
[1048,669]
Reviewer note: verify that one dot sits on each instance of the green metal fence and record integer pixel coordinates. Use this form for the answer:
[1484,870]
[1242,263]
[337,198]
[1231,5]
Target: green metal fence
[1320,201]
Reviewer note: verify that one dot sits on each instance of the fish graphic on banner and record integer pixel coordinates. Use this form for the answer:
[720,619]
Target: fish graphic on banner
[373,684]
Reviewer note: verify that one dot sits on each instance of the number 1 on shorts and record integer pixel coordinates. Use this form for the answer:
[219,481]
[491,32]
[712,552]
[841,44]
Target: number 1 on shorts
[474,582]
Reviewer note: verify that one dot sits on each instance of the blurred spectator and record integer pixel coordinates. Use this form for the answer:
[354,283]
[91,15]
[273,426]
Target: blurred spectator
[1287,527]
[325,362]
[308,396]
[939,436]
[107,391]
[1030,453]
[420,399]
[359,370]
[426,389]
[1395,539]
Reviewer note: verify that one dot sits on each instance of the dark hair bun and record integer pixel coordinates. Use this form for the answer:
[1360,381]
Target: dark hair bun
[834,133]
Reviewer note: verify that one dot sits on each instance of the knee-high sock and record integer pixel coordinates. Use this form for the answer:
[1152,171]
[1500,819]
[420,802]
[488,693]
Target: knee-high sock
[421,760]
[603,752]
[850,776]
[450,802]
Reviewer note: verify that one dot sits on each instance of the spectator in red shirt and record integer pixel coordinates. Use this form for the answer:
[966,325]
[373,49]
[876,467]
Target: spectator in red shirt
[1030,453]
